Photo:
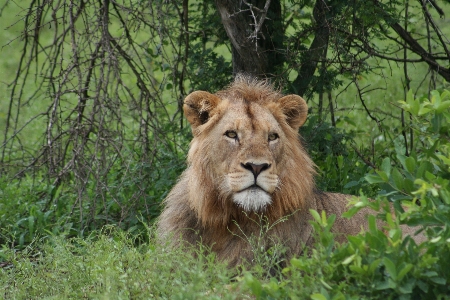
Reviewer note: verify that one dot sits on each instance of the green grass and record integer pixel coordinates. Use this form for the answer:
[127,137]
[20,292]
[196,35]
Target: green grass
[109,266]
[114,265]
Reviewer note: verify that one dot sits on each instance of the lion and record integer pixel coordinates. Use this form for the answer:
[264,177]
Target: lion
[246,162]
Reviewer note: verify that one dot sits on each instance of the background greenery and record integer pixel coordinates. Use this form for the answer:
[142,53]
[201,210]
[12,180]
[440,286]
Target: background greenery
[113,165]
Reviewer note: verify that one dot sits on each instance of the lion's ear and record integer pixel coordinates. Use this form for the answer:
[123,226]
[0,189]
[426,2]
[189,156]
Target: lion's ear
[295,110]
[198,107]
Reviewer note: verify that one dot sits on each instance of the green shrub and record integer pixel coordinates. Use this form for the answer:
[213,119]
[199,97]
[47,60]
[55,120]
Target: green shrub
[340,169]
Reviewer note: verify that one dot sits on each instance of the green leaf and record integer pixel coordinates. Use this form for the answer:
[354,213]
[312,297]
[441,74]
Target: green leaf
[444,159]
[374,265]
[412,103]
[330,221]
[315,215]
[408,185]
[436,121]
[435,98]
[373,179]
[404,105]
[386,166]
[254,285]
[438,280]
[424,109]
[318,297]
[383,175]
[424,166]
[443,106]
[340,161]
[351,184]
[445,94]
[397,177]
[410,164]
[348,259]
[423,286]
[326,285]
[372,224]
[430,274]
[31,222]
[407,287]
[351,212]
[389,220]
[383,285]
[390,267]
[357,269]
[404,271]
[410,97]
[324,217]
[429,176]
[445,195]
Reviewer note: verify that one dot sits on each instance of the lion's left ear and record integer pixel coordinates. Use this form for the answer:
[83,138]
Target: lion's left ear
[295,110]
[198,107]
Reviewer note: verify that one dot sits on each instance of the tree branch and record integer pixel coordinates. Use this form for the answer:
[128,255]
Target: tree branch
[414,45]
[317,49]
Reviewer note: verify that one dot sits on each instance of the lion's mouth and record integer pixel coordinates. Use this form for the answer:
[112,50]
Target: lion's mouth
[252,198]
[253,187]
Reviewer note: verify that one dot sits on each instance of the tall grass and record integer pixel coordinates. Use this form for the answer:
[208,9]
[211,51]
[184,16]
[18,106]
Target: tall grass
[109,265]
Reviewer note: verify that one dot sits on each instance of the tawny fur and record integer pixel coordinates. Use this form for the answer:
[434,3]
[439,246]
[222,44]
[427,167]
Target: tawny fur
[200,208]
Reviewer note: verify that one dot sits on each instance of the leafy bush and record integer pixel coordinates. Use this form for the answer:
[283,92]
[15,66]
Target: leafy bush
[339,167]
[421,181]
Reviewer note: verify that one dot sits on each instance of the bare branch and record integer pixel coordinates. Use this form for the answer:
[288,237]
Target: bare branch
[415,46]
[257,23]
[360,94]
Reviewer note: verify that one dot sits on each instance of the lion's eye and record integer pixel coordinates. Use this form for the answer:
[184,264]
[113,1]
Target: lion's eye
[231,134]
[272,137]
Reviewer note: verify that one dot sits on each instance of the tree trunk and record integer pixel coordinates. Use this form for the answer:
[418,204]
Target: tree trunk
[254,28]
[317,50]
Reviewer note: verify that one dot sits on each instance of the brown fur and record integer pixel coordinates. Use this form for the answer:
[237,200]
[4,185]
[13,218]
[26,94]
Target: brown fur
[200,207]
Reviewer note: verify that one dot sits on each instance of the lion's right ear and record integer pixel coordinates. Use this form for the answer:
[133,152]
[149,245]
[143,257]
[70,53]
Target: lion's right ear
[198,107]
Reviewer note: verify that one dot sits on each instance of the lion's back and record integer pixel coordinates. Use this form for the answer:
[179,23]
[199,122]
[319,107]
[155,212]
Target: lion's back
[338,204]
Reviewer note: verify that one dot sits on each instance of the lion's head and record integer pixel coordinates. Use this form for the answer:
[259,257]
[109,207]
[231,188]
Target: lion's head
[246,155]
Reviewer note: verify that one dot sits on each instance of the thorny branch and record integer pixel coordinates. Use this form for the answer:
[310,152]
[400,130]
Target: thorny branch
[257,23]
[360,94]
[89,79]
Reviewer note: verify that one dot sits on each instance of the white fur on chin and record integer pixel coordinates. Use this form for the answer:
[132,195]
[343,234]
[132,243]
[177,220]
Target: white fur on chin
[252,199]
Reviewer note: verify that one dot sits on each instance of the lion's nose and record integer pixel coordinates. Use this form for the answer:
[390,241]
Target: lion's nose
[256,169]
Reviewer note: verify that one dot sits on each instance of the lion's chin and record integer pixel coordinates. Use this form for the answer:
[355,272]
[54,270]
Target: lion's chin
[252,199]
